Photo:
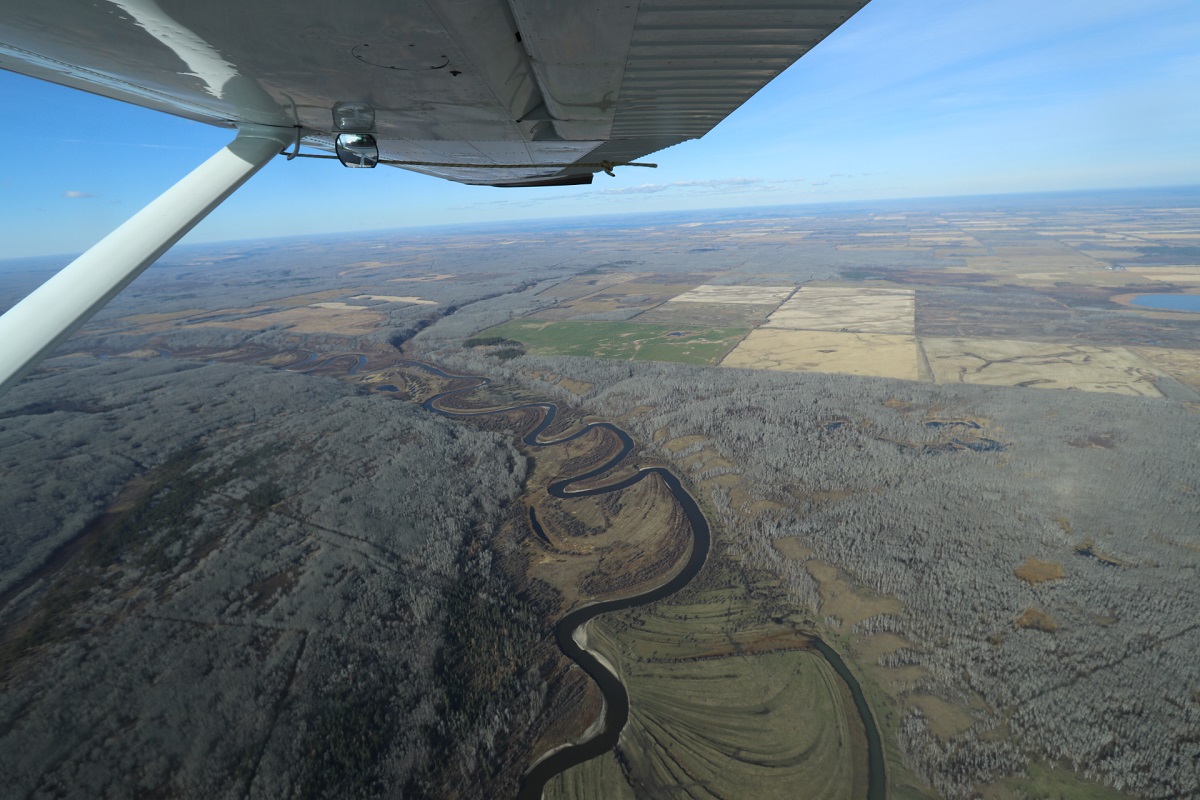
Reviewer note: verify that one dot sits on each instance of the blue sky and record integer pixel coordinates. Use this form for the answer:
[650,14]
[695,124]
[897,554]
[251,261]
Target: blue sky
[911,98]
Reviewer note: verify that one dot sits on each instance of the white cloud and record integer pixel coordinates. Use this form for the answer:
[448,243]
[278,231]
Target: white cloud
[645,188]
[715,186]
[74,194]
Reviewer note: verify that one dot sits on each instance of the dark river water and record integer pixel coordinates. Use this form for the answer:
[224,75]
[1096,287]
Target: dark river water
[616,698]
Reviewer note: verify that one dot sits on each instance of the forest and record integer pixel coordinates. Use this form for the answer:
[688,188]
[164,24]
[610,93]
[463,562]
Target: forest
[294,573]
[886,480]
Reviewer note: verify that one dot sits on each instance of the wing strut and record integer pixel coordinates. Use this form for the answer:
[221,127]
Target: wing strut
[35,326]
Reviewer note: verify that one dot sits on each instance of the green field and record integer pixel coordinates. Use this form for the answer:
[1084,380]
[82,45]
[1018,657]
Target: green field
[621,340]
[722,704]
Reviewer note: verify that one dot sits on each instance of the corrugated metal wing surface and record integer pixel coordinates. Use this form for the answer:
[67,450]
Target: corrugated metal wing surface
[477,91]
[693,62]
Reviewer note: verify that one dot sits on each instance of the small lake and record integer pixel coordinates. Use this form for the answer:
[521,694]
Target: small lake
[1168,302]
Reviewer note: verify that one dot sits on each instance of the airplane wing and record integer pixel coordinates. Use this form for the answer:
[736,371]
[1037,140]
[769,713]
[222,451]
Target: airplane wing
[496,92]
[499,92]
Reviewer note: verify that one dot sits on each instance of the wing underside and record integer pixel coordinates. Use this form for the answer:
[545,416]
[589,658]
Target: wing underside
[500,92]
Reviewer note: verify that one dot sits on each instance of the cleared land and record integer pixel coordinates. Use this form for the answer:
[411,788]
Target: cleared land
[1001,362]
[849,308]
[599,309]
[651,288]
[714,315]
[308,319]
[1183,364]
[388,298]
[1168,274]
[723,703]
[613,296]
[743,295]
[620,340]
[584,285]
[1034,273]
[731,726]
[422,278]
[880,354]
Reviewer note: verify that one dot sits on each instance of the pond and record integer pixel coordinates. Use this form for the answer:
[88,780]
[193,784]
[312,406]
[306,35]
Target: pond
[1168,302]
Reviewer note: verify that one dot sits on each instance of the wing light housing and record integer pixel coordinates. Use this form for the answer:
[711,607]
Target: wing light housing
[353,117]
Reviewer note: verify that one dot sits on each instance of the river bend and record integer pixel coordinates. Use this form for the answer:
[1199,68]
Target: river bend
[616,698]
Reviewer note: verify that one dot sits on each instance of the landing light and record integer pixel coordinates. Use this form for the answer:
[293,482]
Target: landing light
[355,117]
[357,150]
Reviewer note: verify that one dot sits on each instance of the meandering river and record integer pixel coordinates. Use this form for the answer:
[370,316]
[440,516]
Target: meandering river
[616,698]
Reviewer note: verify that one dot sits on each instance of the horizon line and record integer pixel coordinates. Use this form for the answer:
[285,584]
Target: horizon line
[559,220]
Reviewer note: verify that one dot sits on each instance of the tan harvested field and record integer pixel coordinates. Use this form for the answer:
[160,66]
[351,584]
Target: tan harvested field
[1076,277]
[709,315]
[1190,274]
[422,278]
[338,306]
[1005,362]
[310,319]
[301,300]
[743,295]
[848,308]
[879,354]
[1022,261]
[943,240]
[389,298]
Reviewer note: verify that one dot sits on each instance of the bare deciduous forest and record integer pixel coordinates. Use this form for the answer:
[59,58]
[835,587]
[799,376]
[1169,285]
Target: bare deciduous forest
[294,595]
[936,496]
